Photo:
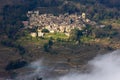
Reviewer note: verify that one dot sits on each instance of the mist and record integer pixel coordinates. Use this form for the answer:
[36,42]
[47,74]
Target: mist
[103,67]
[37,70]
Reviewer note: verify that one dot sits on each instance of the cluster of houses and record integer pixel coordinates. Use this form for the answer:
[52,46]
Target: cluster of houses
[62,23]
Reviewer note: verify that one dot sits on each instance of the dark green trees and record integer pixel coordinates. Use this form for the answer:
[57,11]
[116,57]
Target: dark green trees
[48,46]
[45,30]
[75,34]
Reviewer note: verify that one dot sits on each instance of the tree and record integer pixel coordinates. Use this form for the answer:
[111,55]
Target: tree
[75,34]
[108,27]
[12,22]
[88,30]
[70,8]
[48,46]
[45,30]
[50,43]
[12,65]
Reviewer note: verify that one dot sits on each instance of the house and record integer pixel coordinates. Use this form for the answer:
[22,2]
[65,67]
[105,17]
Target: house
[83,15]
[33,34]
[40,33]
[25,23]
[87,20]
[67,34]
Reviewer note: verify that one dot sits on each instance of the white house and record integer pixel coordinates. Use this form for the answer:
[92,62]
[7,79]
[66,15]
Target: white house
[33,34]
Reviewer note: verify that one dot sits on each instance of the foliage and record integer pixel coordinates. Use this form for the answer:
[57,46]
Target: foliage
[12,21]
[10,43]
[56,35]
[48,46]
[85,39]
[108,27]
[107,31]
[45,30]
[50,42]
[15,65]
[70,8]
[75,34]
[87,31]
[13,15]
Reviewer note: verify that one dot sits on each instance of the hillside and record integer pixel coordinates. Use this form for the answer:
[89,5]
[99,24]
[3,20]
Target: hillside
[60,52]
[18,8]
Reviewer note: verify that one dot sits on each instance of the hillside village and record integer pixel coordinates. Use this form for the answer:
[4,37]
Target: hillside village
[62,23]
[26,49]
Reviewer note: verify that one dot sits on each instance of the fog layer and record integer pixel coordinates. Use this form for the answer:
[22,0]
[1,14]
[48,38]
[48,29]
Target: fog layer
[103,67]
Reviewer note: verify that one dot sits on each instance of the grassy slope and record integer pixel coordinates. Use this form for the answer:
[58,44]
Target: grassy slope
[56,35]
[65,52]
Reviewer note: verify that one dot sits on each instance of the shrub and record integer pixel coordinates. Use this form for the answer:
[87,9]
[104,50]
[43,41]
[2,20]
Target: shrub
[75,34]
[46,47]
[45,30]
[10,43]
[15,65]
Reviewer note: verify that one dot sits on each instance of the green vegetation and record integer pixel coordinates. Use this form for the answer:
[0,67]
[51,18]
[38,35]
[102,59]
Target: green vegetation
[10,43]
[18,47]
[107,31]
[115,23]
[56,36]
[107,21]
[15,65]
[28,39]
[75,34]
[48,46]
[85,39]
[12,14]
[87,35]
[45,30]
